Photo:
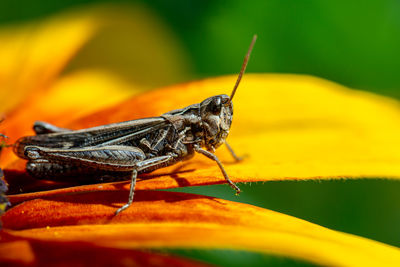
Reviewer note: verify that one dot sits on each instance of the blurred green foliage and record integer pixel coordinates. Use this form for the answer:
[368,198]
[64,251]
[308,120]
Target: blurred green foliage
[363,207]
[355,43]
[351,42]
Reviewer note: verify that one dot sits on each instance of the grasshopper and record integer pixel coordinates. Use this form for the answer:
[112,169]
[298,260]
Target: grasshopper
[127,148]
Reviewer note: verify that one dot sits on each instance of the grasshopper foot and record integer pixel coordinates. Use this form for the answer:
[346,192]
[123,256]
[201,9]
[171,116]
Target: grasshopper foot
[238,191]
[124,207]
[236,188]
[241,158]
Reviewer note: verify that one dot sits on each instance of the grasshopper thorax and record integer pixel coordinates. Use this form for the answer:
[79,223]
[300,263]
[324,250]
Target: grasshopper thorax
[216,116]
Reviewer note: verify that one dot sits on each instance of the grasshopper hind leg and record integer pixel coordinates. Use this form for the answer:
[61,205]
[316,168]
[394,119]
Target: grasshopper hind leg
[92,161]
[131,192]
[50,170]
[41,127]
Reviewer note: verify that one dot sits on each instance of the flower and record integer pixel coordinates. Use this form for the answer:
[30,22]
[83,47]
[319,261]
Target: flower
[290,125]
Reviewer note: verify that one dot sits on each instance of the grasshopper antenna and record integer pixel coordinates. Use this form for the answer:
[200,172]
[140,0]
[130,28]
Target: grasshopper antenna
[242,70]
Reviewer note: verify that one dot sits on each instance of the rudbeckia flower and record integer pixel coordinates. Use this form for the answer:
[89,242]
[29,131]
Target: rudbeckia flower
[291,126]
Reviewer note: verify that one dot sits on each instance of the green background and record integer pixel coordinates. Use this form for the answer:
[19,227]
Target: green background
[355,43]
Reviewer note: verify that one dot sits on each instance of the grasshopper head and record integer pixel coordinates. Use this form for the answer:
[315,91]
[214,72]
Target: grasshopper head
[216,115]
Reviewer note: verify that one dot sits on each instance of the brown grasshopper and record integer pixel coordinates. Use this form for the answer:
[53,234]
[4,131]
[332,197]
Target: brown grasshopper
[127,148]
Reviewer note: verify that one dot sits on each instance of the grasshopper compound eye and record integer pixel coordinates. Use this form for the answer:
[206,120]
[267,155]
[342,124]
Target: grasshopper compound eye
[215,106]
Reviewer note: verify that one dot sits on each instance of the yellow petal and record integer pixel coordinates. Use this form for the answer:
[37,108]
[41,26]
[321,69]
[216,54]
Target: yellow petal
[135,44]
[126,39]
[33,54]
[290,126]
[169,219]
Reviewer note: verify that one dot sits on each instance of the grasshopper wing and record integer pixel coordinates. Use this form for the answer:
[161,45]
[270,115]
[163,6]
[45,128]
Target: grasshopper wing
[110,134]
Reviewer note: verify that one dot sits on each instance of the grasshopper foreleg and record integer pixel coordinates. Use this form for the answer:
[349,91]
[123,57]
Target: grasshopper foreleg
[215,158]
[236,157]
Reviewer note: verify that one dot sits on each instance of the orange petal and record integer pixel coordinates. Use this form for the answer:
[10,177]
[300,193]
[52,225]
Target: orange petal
[67,99]
[169,219]
[292,127]
[17,251]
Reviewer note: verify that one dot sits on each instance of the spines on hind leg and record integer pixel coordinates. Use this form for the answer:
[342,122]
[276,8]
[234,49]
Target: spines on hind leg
[51,170]
[69,172]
